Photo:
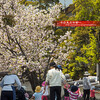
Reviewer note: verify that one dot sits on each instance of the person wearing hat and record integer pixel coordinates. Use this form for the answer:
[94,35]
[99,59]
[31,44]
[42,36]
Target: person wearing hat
[54,78]
[59,67]
[46,94]
[7,84]
[38,93]
[63,81]
[62,75]
[86,86]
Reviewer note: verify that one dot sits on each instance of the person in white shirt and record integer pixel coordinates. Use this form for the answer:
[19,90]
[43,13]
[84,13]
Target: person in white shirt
[8,92]
[54,78]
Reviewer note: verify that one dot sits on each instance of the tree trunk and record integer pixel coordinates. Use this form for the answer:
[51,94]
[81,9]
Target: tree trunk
[32,78]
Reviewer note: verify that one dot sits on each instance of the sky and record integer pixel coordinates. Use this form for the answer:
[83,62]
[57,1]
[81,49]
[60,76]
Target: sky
[68,2]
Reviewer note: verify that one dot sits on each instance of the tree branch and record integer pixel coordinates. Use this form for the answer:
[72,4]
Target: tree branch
[22,51]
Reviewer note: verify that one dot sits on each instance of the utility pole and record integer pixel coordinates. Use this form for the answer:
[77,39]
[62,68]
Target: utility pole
[98,57]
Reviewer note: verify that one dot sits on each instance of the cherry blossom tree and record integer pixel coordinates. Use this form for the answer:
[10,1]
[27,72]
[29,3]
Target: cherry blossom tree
[27,40]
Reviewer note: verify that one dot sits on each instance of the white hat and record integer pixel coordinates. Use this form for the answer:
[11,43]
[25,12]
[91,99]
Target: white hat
[86,73]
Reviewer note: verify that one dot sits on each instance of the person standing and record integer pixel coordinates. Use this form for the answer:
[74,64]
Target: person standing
[54,78]
[92,93]
[38,94]
[62,75]
[66,93]
[8,90]
[63,81]
[72,93]
[86,86]
[45,95]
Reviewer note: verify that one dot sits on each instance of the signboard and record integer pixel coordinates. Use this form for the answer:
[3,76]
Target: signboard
[77,23]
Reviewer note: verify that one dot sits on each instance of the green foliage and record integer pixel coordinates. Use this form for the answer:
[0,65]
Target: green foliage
[74,71]
[86,39]
[81,59]
[81,36]
[83,9]
[62,17]
[87,9]
[90,50]
[89,53]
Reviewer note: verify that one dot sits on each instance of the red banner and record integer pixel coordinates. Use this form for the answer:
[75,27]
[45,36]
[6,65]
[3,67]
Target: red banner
[77,23]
